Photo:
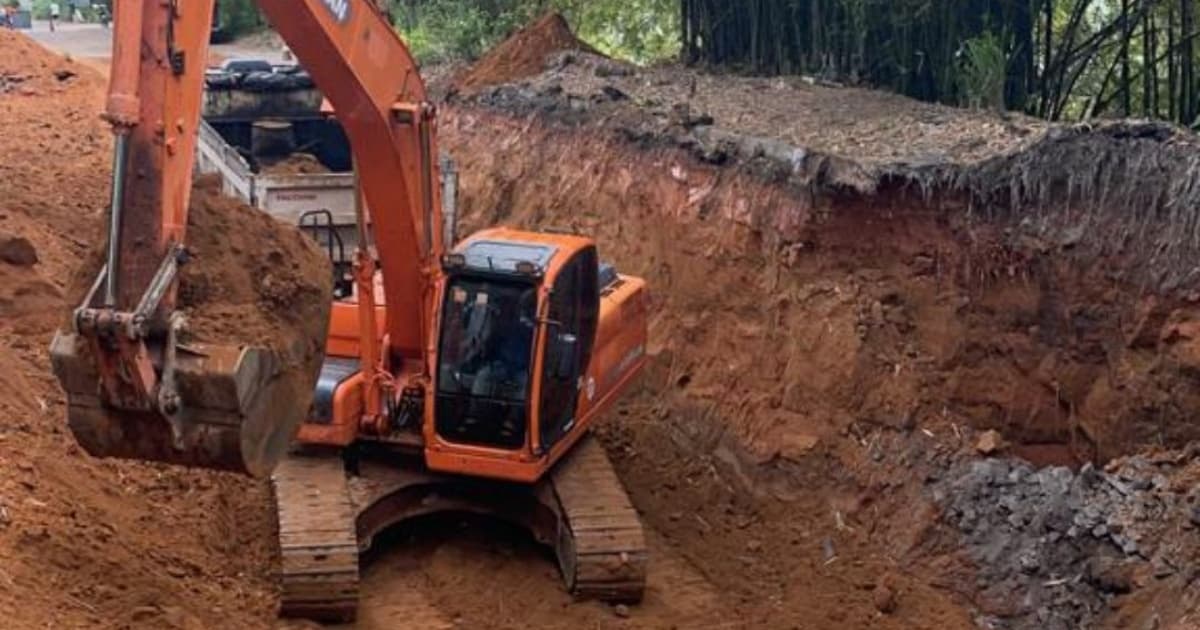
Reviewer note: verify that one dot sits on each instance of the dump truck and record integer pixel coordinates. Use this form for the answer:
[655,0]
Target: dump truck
[259,122]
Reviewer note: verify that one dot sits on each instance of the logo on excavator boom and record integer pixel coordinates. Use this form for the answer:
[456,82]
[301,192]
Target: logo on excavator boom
[339,8]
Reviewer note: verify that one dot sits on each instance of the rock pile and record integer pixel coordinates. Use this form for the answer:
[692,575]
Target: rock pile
[1066,543]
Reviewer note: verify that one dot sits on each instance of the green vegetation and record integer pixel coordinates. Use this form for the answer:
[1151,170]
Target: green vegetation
[238,17]
[1058,59]
[41,8]
[1061,58]
[982,72]
[640,30]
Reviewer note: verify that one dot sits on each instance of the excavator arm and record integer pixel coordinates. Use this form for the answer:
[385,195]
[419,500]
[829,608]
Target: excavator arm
[370,78]
[503,352]
[119,364]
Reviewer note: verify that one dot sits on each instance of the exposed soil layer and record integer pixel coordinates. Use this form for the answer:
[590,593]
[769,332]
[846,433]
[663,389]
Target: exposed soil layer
[844,306]
[927,315]
[971,252]
[830,336]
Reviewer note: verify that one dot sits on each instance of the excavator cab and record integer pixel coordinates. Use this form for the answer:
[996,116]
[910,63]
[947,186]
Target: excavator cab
[488,341]
[519,374]
[486,359]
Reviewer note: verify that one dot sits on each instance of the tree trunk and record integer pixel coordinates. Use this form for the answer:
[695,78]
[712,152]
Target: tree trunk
[1020,59]
[1047,52]
[1150,69]
[1172,67]
[1187,74]
[1126,87]
[1052,49]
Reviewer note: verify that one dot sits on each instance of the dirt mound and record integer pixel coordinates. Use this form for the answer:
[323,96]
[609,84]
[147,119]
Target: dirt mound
[23,56]
[296,164]
[250,279]
[874,130]
[87,543]
[523,54]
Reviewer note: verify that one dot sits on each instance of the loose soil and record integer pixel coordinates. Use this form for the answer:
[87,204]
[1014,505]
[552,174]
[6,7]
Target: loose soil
[833,329]
[251,280]
[296,164]
[523,54]
[87,543]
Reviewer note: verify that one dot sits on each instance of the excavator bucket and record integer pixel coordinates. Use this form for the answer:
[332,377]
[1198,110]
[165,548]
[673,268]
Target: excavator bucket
[135,390]
[238,408]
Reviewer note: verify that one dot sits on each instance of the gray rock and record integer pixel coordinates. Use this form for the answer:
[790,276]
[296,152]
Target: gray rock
[1030,562]
[1021,524]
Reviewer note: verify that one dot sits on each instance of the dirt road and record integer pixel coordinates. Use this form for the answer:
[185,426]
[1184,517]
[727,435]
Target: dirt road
[93,43]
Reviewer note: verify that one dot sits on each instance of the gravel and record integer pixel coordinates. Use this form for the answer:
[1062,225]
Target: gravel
[1055,545]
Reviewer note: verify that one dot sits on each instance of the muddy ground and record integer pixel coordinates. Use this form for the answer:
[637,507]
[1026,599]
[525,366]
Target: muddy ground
[836,327]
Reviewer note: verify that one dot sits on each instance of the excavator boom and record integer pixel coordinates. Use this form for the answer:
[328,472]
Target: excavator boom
[132,391]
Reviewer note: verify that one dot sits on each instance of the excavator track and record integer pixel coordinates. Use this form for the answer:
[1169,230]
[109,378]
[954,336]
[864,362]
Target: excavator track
[327,518]
[318,543]
[601,547]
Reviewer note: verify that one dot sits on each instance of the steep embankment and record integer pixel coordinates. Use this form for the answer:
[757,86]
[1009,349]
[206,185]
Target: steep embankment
[850,289]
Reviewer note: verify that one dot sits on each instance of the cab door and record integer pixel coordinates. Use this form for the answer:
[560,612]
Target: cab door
[570,336]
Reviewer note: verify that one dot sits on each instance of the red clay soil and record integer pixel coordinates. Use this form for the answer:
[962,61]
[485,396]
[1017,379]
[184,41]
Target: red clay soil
[800,398]
[701,446]
[523,54]
[88,543]
[251,280]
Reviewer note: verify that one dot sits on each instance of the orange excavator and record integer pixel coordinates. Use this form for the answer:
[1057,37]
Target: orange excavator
[462,379]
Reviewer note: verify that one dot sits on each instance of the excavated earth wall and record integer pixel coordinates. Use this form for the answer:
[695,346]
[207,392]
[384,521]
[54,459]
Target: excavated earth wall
[834,331]
[912,303]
